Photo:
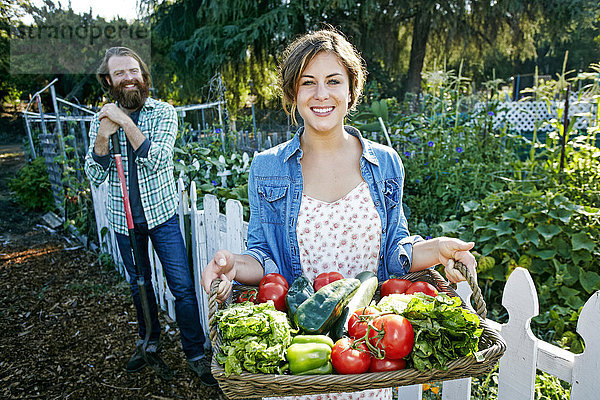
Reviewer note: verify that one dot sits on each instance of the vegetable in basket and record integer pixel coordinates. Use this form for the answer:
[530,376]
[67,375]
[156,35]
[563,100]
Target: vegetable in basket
[444,331]
[310,355]
[317,314]
[254,338]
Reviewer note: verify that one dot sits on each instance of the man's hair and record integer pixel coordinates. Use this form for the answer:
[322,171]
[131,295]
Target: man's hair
[102,73]
[302,50]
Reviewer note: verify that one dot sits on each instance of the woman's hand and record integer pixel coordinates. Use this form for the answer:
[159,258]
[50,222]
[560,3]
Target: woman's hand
[452,250]
[221,266]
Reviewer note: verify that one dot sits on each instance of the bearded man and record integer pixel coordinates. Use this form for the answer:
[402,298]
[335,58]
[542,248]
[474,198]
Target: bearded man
[147,129]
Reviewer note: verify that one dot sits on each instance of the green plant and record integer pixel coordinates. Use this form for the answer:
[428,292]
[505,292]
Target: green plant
[77,197]
[548,387]
[546,233]
[32,186]
[224,175]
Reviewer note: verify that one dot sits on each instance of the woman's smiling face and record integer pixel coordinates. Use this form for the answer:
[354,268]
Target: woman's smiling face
[323,94]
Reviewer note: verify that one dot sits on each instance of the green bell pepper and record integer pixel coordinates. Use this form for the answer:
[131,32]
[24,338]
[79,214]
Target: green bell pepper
[313,339]
[305,357]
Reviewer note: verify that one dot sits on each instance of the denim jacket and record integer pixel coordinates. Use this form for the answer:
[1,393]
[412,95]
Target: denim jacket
[275,192]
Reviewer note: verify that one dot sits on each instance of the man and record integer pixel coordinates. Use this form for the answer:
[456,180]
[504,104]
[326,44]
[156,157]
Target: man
[147,129]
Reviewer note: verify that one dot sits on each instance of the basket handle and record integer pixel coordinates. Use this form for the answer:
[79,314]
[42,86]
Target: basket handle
[212,309]
[477,297]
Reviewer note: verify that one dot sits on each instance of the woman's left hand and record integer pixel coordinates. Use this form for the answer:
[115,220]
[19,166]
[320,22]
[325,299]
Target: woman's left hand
[452,250]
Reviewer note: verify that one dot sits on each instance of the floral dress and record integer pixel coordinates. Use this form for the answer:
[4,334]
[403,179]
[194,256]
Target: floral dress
[342,236]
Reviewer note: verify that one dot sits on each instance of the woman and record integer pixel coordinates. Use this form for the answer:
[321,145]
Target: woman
[328,199]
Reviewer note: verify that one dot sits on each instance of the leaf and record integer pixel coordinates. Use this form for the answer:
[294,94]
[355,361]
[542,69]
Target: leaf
[544,254]
[532,236]
[450,226]
[471,205]
[562,247]
[561,214]
[567,292]
[581,255]
[520,239]
[502,228]
[571,275]
[581,241]
[590,280]
[480,223]
[513,215]
[548,231]
[575,302]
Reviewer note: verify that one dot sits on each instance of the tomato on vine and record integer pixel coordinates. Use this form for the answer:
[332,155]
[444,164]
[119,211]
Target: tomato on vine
[359,320]
[385,364]
[392,336]
[350,357]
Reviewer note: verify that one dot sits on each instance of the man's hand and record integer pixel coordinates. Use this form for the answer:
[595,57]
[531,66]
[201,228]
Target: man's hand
[105,130]
[221,266]
[115,114]
[452,250]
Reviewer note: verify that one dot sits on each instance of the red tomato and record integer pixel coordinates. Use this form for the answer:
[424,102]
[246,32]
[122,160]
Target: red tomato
[423,287]
[358,322]
[394,286]
[394,336]
[385,364]
[326,278]
[247,295]
[347,360]
[273,277]
[273,291]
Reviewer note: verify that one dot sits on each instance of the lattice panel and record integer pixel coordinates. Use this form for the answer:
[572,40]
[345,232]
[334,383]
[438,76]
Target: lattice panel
[521,116]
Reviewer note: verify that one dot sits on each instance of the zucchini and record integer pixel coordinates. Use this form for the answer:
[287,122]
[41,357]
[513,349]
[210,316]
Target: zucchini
[298,293]
[362,298]
[322,309]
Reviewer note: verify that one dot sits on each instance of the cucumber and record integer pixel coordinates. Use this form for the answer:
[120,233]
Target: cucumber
[361,298]
[322,309]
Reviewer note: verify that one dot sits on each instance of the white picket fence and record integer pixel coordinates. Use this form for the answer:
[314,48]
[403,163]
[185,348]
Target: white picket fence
[211,230]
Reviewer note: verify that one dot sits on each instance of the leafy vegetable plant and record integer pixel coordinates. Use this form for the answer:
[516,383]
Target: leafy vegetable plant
[255,338]
[444,331]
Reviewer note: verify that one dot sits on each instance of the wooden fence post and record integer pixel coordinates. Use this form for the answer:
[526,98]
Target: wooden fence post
[234,239]
[516,374]
[199,258]
[585,383]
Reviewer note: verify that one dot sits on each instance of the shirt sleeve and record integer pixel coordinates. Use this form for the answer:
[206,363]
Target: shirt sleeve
[142,151]
[94,170]
[163,129]
[104,160]
[400,242]
[257,244]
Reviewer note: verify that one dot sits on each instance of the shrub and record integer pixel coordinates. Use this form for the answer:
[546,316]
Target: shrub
[32,186]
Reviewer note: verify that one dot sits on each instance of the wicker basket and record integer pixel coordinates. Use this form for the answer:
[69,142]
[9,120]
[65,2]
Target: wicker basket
[248,385]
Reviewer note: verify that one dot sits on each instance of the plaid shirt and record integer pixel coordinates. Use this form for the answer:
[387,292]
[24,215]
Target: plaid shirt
[158,122]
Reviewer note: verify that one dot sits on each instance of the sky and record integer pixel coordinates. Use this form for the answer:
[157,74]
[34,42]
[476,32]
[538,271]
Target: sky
[104,8]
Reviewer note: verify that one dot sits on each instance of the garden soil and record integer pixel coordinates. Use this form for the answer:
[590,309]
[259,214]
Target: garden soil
[67,323]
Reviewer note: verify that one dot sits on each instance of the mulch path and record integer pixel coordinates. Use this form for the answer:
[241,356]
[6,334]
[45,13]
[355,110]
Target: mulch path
[67,323]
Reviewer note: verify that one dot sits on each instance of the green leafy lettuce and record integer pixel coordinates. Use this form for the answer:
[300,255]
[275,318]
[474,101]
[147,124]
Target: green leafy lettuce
[255,338]
[444,331]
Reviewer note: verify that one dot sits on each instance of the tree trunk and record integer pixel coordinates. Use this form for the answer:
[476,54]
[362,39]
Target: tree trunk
[420,35]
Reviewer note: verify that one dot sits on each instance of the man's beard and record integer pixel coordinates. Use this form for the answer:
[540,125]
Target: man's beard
[131,99]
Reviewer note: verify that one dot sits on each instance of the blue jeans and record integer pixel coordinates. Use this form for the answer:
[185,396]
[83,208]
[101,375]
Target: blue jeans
[170,248]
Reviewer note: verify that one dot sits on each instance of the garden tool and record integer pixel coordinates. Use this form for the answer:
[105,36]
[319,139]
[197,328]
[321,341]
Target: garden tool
[152,358]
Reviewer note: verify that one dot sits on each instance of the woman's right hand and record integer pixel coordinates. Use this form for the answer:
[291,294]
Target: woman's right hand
[221,266]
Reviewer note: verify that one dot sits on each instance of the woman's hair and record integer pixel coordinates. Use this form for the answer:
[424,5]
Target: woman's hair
[302,50]
[102,72]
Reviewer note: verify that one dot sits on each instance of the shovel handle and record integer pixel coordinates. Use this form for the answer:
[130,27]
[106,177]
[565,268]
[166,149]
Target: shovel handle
[121,173]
